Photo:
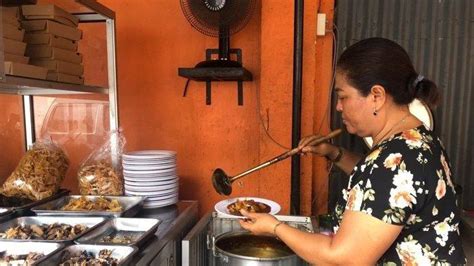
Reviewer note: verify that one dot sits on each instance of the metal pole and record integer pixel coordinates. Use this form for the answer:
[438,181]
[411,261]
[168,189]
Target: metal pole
[113,93]
[296,119]
[112,74]
[29,121]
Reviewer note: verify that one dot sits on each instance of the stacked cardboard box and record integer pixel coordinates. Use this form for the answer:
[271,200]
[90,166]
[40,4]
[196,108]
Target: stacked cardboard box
[16,63]
[52,37]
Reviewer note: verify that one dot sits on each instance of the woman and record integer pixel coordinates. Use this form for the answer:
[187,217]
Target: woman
[400,204]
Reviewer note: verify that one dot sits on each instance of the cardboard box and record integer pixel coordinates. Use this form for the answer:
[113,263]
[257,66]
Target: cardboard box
[55,28]
[18,2]
[48,52]
[51,40]
[59,66]
[13,33]
[10,13]
[16,58]
[14,22]
[24,70]
[14,47]
[60,77]
[51,12]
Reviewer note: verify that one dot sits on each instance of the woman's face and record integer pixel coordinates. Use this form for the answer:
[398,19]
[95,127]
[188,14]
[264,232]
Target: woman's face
[357,110]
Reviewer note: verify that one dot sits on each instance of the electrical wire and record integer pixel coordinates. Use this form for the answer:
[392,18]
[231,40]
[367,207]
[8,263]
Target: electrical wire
[266,128]
[326,115]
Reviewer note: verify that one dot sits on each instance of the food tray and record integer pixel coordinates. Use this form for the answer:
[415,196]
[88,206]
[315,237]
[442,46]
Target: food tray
[130,205]
[140,228]
[122,253]
[6,214]
[23,248]
[90,222]
[8,202]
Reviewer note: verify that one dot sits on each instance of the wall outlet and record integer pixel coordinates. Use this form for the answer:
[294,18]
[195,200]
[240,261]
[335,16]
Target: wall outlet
[321,24]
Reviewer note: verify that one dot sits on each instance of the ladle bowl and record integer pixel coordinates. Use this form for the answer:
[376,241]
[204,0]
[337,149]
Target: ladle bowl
[221,182]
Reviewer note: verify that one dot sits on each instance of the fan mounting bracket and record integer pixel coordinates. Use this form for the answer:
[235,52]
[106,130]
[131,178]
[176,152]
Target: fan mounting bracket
[218,70]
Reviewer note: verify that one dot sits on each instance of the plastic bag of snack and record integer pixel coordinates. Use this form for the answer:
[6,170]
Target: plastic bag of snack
[101,173]
[39,173]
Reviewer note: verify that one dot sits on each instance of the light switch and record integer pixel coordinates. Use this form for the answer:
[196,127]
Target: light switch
[321,24]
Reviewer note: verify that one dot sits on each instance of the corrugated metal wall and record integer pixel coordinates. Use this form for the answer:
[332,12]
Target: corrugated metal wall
[439,36]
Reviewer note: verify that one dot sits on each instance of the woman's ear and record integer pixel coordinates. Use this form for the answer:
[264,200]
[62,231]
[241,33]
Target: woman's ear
[378,94]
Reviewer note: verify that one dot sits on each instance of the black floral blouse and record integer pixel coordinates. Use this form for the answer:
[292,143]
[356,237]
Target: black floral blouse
[406,180]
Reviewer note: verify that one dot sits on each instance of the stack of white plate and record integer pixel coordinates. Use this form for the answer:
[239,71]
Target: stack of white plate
[152,174]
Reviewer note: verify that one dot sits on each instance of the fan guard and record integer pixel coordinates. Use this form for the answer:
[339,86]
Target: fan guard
[210,16]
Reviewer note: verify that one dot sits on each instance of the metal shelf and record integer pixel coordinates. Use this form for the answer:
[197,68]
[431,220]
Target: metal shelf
[28,86]
[216,73]
[87,11]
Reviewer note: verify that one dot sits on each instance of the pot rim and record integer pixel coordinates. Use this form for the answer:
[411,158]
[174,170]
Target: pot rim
[226,253]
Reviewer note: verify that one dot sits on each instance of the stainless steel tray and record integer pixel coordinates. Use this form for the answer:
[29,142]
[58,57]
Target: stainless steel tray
[23,248]
[5,211]
[6,202]
[90,222]
[6,214]
[141,229]
[130,207]
[122,253]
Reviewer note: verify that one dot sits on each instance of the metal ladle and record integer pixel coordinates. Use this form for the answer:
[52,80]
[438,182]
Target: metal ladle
[223,183]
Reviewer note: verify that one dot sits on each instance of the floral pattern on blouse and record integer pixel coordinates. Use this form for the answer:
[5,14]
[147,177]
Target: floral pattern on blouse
[407,180]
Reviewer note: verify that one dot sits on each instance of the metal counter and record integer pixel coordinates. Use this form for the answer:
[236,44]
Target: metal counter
[165,247]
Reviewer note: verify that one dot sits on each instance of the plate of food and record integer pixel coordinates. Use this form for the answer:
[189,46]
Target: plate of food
[231,207]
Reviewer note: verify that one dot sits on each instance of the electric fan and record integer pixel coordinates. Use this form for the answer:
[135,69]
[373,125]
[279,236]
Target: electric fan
[218,18]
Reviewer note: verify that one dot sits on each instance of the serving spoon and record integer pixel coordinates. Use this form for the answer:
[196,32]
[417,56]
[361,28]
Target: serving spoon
[223,183]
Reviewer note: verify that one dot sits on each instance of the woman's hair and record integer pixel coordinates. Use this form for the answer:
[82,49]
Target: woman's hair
[379,61]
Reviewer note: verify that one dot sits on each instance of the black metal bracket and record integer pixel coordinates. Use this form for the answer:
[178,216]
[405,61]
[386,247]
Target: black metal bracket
[219,73]
[240,89]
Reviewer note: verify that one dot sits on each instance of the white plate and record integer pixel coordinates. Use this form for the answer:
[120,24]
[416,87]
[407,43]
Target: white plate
[150,183]
[161,198]
[158,204]
[151,172]
[150,188]
[221,206]
[153,193]
[150,154]
[149,161]
[148,167]
[148,178]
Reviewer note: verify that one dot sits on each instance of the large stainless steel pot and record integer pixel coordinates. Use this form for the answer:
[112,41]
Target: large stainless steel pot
[242,248]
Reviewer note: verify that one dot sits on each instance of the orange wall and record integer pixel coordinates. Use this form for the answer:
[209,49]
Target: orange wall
[155,115]
[154,39]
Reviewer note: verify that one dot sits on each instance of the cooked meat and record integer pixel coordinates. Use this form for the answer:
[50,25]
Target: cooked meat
[248,205]
[54,231]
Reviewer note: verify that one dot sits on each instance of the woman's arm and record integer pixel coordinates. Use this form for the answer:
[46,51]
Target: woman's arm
[360,240]
[346,162]
[343,159]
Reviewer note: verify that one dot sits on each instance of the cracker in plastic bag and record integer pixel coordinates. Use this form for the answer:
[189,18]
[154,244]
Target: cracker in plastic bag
[39,173]
[101,173]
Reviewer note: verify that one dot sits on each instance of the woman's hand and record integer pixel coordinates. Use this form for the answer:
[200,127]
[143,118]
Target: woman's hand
[258,223]
[322,149]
